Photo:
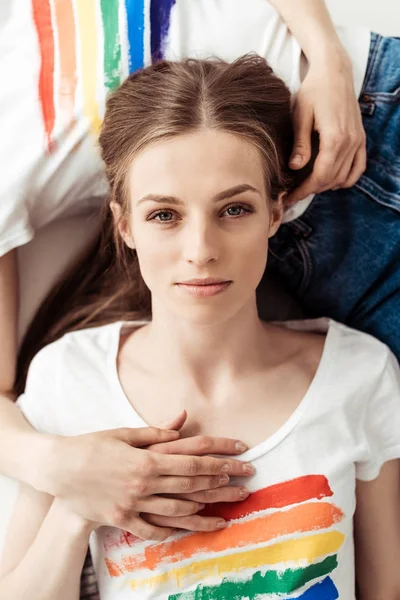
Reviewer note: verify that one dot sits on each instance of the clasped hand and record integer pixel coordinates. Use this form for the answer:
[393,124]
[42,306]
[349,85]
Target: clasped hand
[148,481]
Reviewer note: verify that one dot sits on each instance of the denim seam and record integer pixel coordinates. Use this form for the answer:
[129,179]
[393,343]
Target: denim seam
[371,62]
[377,193]
[386,97]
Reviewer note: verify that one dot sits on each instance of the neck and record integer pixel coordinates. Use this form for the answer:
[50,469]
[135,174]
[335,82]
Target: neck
[206,355]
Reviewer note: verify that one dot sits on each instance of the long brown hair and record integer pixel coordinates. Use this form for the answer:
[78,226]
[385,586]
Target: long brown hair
[159,102]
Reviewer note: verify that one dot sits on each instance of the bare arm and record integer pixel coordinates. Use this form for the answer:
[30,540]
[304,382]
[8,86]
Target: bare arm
[377,535]
[16,434]
[306,16]
[326,102]
[8,319]
[44,551]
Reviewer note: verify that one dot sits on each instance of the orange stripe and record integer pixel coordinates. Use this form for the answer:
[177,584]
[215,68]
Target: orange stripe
[64,15]
[42,19]
[113,569]
[300,519]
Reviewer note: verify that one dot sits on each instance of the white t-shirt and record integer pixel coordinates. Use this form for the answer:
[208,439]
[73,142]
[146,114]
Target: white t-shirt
[58,63]
[293,535]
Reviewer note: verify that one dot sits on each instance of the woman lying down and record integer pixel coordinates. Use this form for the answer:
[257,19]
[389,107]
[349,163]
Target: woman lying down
[162,320]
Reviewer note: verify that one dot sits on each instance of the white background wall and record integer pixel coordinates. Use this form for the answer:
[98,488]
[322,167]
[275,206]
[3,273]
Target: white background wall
[383,16]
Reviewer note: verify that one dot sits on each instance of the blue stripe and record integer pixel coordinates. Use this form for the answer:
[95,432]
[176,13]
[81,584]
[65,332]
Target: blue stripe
[324,590]
[135,21]
[160,13]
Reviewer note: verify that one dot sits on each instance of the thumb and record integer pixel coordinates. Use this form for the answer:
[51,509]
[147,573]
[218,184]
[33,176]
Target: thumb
[175,423]
[145,436]
[303,124]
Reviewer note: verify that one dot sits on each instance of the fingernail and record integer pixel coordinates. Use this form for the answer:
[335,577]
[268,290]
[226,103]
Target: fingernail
[221,524]
[240,447]
[243,493]
[249,469]
[201,506]
[296,160]
[226,468]
[223,478]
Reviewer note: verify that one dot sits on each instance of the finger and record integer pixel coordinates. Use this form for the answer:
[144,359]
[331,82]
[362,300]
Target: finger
[229,493]
[185,485]
[303,120]
[168,507]
[201,465]
[322,175]
[148,531]
[144,436]
[358,168]
[200,446]
[192,523]
[176,423]
[341,176]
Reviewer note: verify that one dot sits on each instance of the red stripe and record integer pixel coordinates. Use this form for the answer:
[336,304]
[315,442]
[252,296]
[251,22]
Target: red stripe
[275,496]
[42,18]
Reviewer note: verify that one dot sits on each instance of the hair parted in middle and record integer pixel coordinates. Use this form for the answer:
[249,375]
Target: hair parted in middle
[167,99]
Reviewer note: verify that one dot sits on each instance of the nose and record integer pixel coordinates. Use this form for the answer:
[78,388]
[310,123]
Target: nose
[201,244]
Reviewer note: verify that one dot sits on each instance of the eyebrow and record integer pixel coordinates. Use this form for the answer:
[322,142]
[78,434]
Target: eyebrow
[234,191]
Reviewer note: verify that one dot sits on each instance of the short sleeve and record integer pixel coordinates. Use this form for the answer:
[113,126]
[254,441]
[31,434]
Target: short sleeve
[382,422]
[40,399]
[49,156]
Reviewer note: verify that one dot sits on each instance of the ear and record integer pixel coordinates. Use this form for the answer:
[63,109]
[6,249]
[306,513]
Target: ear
[122,224]
[277,214]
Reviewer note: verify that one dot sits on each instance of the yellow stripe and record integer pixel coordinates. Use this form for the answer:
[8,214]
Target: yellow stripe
[306,548]
[86,10]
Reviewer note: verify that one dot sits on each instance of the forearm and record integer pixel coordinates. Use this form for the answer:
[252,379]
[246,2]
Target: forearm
[312,26]
[52,566]
[8,320]
[17,439]
[23,451]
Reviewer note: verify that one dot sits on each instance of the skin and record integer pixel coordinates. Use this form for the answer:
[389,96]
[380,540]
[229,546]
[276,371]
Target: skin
[326,102]
[216,346]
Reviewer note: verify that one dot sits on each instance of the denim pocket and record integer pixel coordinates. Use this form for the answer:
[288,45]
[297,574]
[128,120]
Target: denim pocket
[381,118]
[380,107]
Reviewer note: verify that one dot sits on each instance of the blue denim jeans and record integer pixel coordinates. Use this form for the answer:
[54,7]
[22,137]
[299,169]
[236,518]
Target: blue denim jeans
[341,258]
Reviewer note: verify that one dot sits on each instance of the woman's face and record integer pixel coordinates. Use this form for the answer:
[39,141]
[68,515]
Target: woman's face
[199,214]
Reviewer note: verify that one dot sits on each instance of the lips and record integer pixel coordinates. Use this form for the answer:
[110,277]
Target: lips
[210,286]
[204,281]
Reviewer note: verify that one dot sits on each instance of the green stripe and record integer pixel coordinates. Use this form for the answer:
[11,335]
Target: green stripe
[112,43]
[272,582]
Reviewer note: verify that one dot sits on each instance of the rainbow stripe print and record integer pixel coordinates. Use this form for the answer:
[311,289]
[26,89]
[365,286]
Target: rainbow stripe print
[282,542]
[87,48]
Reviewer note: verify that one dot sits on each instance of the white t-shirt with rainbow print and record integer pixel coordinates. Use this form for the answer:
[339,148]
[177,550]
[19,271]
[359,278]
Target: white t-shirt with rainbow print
[293,536]
[60,59]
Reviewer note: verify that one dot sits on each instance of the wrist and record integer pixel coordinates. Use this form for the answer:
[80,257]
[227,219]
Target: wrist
[34,465]
[42,465]
[77,526]
[330,56]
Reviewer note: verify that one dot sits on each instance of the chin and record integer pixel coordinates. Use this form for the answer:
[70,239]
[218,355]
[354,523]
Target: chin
[208,315]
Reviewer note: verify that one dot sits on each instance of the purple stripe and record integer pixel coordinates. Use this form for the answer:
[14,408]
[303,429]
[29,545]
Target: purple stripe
[160,13]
